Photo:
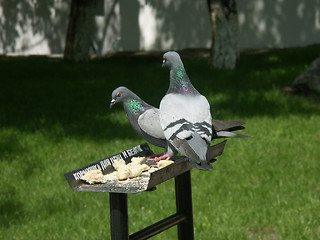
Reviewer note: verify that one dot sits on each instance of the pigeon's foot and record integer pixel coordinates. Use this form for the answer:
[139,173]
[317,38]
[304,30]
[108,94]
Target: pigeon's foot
[162,157]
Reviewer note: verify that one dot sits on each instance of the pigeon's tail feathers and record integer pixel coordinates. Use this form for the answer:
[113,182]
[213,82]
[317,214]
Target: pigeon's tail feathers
[195,148]
[215,150]
[204,165]
[222,134]
[220,125]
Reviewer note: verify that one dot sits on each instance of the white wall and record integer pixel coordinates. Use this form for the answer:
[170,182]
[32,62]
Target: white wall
[39,27]
[279,23]
[33,27]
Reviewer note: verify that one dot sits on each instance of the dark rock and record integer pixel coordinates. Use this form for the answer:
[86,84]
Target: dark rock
[309,81]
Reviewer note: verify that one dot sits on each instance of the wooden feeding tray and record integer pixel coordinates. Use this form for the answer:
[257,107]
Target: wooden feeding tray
[142,183]
[118,191]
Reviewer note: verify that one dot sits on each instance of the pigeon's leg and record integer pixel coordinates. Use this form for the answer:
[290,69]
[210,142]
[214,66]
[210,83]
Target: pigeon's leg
[161,157]
[164,157]
[153,158]
[153,155]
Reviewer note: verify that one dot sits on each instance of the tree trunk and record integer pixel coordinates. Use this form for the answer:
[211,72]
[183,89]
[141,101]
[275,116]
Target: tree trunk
[224,30]
[80,30]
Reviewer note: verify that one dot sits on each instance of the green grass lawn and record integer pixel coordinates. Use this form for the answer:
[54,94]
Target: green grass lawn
[55,117]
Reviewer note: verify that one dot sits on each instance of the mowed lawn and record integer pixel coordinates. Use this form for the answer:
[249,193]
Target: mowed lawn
[55,117]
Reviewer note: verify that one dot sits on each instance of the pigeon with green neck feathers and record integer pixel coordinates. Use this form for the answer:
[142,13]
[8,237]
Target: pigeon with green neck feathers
[185,115]
[143,118]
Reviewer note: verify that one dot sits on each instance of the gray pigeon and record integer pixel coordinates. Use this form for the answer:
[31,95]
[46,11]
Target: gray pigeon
[143,118]
[185,115]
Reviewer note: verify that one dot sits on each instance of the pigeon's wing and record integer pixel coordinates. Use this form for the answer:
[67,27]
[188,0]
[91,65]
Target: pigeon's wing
[150,124]
[181,115]
[224,129]
[220,125]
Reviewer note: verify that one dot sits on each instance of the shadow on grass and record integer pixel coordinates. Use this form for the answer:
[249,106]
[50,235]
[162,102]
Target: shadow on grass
[65,99]
[12,152]
[9,146]
[11,210]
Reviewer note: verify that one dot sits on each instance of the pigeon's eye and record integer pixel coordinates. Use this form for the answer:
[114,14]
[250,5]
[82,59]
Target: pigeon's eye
[164,60]
[119,94]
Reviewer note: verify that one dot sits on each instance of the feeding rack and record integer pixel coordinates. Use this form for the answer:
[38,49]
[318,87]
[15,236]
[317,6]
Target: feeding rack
[119,190]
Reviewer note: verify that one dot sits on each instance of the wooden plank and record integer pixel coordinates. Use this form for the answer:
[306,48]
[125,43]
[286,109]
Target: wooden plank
[180,165]
[139,184]
[135,185]
[106,166]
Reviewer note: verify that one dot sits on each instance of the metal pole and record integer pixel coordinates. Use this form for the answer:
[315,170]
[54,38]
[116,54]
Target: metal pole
[119,216]
[158,227]
[184,205]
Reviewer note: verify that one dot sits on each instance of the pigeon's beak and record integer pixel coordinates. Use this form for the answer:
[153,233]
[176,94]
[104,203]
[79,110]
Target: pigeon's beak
[113,102]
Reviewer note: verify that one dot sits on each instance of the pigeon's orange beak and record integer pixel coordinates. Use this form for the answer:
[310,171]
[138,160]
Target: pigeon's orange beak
[113,102]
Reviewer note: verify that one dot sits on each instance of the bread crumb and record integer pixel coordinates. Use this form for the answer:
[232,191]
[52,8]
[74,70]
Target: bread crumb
[164,163]
[123,173]
[144,167]
[135,172]
[138,160]
[133,169]
[94,176]
[118,163]
[153,169]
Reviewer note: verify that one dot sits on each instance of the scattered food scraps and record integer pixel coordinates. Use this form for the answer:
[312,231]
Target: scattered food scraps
[124,171]
[133,169]
[94,176]
[164,163]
